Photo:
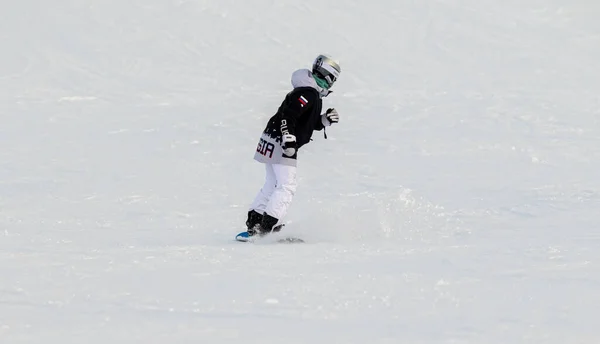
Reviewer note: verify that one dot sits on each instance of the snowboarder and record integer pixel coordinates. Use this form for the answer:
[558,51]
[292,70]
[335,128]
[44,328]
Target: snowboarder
[288,130]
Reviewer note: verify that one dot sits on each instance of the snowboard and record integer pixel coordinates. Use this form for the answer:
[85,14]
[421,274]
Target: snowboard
[244,237]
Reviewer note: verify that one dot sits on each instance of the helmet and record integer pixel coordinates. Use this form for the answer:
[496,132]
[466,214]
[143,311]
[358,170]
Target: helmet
[326,71]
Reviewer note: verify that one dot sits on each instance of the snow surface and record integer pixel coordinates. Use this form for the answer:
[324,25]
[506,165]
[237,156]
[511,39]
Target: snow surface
[457,201]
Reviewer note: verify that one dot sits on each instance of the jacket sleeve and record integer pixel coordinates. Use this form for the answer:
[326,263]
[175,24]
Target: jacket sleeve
[298,102]
[319,124]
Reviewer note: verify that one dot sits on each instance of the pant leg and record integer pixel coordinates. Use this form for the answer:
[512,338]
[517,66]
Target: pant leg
[284,191]
[262,198]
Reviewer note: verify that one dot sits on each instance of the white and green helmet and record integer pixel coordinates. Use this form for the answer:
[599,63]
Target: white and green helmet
[326,71]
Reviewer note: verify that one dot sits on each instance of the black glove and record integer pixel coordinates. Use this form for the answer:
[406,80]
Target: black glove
[330,116]
[289,144]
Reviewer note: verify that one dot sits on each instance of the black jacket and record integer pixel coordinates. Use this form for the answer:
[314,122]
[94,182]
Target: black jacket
[299,115]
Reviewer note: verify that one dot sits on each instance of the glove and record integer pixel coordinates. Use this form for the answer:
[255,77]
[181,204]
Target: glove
[289,144]
[330,116]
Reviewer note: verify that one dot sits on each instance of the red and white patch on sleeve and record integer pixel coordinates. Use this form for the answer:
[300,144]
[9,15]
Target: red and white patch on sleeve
[303,101]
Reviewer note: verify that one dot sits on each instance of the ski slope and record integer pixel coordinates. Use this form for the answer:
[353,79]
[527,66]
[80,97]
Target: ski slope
[457,201]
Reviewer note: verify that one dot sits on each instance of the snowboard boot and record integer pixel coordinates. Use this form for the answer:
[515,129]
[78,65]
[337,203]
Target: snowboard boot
[267,224]
[253,222]
[278,228]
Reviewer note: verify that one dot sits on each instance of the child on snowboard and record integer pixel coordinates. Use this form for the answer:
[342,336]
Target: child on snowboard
[288,130]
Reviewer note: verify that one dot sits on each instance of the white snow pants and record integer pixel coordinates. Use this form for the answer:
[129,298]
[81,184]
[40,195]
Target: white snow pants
[276,195]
